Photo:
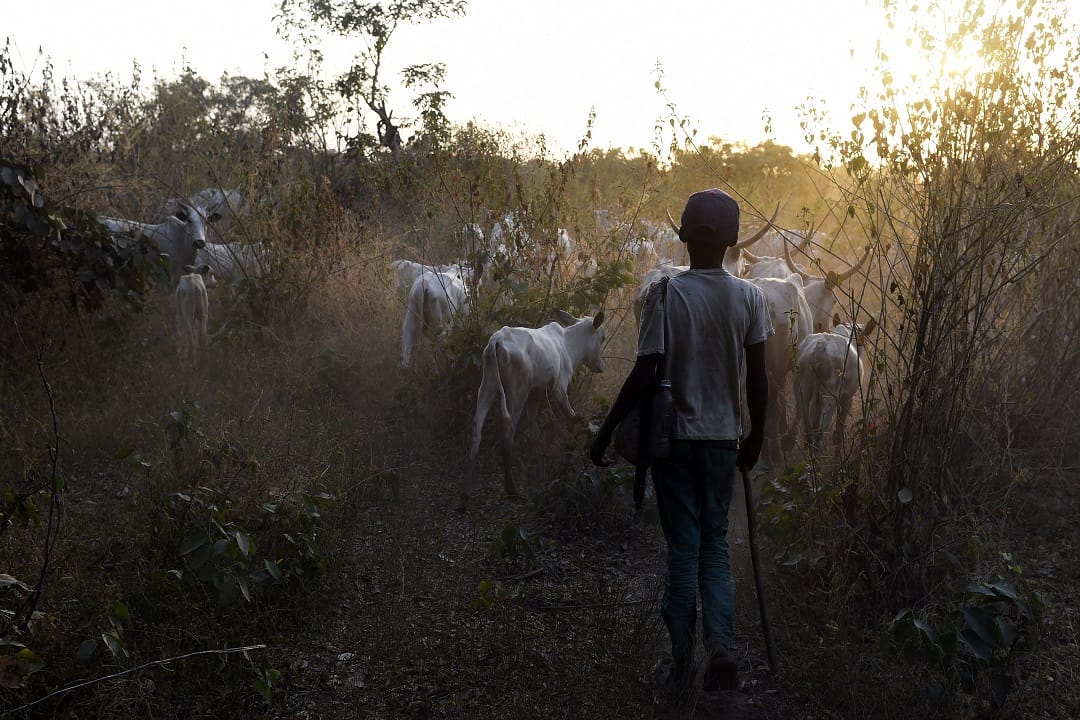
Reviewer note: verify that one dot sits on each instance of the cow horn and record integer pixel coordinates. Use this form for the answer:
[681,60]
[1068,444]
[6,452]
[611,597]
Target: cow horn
[674,225]
[841,277]
[760,233]
[742,243]
[751,257]
[791,265]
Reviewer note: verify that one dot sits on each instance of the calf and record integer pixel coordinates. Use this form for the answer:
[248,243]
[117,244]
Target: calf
[828,375]
[192,309]
[436,301]
[522,362]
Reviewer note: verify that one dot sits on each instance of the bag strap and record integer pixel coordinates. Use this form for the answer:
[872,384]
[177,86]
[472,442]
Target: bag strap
[662,369]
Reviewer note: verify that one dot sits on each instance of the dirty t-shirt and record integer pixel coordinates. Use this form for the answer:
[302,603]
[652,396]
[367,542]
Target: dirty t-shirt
[712,316]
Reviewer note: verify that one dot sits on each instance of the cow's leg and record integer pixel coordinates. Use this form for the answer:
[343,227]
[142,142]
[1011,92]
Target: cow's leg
[828,410]
[483,403]
[204,337]
[772,451]
[516,402]
[563,399]
[842,409]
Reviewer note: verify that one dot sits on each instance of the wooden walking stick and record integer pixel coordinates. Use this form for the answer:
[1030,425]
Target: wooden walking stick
[759,582]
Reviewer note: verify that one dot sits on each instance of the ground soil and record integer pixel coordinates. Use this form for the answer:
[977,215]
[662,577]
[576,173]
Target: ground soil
[575,633]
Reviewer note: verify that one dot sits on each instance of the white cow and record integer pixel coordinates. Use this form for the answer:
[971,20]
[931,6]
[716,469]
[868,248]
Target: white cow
[235,261]
[792,323]
[819,290]
[406,271]
[523,362]
[193,309]
[220,208]
[772,266]
[436,301]
[562,249]
[828,375]
[178,237]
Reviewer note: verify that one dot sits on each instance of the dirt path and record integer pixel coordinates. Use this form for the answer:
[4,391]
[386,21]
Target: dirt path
[498,613]
[429,616]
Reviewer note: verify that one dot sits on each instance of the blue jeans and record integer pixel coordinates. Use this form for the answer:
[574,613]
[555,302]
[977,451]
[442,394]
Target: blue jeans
[693,494]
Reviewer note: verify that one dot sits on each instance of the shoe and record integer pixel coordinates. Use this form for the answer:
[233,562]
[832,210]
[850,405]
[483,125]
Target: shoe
[673,687]
[722,672]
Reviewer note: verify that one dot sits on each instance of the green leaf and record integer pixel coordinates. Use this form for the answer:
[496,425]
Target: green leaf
[273,569]
[925,629]
[979,589]
[977,647]
[1007,630]
[28,662]
[982,622]
[124,452]
[245,543]
[113,643]
[221,547]
[263,688]
[120,611]
[1005,590]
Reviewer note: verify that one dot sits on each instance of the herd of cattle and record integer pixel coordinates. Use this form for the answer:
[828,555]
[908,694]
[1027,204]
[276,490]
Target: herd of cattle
[192,240]
[812,352]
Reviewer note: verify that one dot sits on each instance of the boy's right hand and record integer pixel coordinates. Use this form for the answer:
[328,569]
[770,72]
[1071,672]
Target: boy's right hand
[596,452]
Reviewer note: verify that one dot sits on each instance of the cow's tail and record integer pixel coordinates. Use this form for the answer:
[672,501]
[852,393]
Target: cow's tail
[499,355]
[414,321]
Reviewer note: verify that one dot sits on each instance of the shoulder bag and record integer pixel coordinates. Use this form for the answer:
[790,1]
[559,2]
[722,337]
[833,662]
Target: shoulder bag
[645,433]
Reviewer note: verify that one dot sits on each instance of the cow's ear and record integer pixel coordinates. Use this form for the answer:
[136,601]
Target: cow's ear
[565,318]
[598,320]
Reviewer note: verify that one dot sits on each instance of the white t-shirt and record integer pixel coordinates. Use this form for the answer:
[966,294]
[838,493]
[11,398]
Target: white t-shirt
[712,316]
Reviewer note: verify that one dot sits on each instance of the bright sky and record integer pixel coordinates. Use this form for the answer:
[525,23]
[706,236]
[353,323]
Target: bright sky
[515,64]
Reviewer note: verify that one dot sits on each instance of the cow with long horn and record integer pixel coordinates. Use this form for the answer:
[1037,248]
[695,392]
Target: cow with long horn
[770,266]
[819,290]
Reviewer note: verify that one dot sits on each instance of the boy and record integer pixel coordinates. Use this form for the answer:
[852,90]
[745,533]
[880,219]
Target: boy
[716,326]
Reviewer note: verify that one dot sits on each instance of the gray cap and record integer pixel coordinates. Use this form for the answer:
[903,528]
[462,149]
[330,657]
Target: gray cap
[713,209]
